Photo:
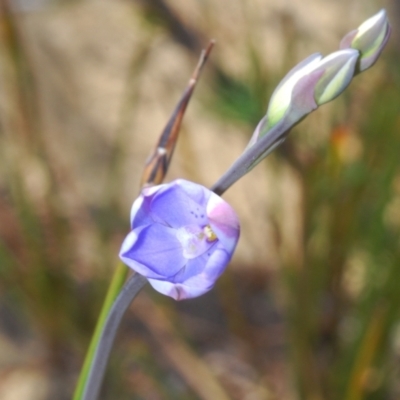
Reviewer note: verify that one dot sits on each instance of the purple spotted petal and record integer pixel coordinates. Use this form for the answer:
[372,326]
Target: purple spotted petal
[181,203]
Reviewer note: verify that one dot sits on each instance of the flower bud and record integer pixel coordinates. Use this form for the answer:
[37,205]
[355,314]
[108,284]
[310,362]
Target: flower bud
[311,83]
[369,39]
[338,71]
[282,95]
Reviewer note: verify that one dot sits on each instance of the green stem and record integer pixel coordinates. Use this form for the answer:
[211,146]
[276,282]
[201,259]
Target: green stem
[121,304]
[114,289]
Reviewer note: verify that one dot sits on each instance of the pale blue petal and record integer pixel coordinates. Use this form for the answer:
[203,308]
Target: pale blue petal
[207,268]
[200,282]
[194,266]
[156,248]
[140,212]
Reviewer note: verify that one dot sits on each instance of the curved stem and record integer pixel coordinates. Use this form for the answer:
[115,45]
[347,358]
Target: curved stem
[98,366]
[115,287]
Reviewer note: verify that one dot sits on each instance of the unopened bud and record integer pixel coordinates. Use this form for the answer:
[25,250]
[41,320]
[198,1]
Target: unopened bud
[311,83]
[369,39]
[338,71]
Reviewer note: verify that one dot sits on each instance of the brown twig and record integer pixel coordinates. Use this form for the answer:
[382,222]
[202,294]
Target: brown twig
[158,162]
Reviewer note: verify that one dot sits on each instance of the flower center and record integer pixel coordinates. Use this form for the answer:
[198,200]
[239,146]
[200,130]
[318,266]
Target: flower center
[195,240]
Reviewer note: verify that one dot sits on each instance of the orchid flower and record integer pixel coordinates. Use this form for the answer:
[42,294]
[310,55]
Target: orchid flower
[183,236]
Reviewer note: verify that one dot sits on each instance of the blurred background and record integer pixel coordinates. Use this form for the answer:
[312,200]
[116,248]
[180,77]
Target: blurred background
[309,306]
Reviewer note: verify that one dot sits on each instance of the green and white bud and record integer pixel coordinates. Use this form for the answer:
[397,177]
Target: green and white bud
[313,82]
[338,71]
[282,95]
[369,39]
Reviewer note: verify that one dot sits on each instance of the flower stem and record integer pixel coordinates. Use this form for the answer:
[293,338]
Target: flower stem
[109,331]
[252,156]
[114,289]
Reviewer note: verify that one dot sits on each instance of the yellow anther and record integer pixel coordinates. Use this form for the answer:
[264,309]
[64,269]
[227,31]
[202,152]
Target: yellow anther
[211,236]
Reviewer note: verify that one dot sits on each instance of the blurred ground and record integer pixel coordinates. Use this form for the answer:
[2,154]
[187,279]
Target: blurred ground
[104,78]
